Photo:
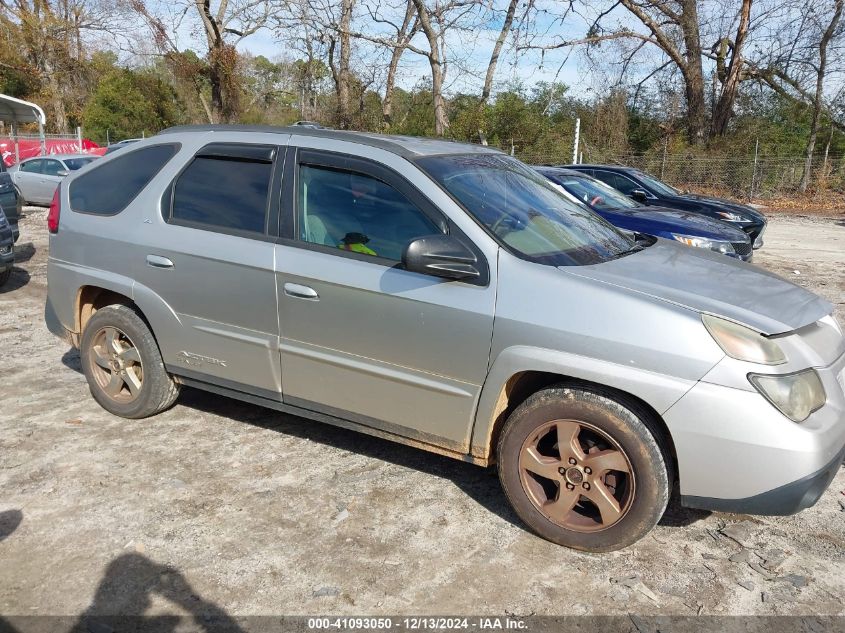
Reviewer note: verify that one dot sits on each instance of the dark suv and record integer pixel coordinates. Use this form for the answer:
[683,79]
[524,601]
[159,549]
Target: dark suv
[649,190]
[7,249]
[10,200]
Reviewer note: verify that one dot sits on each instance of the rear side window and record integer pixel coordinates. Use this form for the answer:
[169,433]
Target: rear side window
[111,186]
[225,189]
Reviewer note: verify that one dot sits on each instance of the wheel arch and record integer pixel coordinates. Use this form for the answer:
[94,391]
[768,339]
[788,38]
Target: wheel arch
[520,372]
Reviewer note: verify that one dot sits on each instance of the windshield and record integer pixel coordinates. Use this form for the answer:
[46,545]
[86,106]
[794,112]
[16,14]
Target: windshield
[524,212]
[75,163]
[654,184]
[595,193]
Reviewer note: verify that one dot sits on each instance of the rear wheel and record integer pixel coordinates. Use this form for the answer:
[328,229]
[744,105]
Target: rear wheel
[584,469]
[123,365]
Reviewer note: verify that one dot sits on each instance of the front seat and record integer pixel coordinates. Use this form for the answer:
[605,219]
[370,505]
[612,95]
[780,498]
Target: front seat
[328,215]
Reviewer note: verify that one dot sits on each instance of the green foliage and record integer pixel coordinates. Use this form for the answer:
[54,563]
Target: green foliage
[127,104]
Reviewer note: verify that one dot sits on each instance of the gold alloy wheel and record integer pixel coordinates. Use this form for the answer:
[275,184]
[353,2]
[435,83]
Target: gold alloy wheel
[116,365]
[576,475]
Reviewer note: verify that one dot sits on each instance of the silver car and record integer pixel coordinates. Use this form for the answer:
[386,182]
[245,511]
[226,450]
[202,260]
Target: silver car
[37,178]
[447,296]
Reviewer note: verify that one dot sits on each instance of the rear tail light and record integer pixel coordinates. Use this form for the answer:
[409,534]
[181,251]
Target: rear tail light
[53,214]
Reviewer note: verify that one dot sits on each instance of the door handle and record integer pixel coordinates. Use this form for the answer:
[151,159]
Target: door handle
[157,261]
[301,292]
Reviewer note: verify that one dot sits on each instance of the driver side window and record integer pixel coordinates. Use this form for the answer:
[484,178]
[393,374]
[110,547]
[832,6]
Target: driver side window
[355,212]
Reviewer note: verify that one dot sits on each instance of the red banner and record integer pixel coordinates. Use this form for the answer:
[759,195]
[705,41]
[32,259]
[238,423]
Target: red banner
[30,147]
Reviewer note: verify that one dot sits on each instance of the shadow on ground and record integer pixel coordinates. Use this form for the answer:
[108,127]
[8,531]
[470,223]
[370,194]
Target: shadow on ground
[125,594]
[9,522]
[20,277]
[481,484]
[24,252]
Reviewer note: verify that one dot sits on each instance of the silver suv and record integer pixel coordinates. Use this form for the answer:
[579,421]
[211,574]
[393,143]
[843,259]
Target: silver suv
[448,297]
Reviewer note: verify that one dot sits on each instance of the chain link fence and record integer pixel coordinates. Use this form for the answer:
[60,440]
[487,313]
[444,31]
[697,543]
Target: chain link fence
[743,178]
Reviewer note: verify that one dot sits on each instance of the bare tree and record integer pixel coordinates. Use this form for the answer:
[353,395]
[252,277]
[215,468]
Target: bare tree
[818,96]
[223,27]
[497,50]
[405,32]
[50,36]
[730,74]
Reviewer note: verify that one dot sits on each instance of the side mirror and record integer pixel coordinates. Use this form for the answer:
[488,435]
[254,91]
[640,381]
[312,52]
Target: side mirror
[61,173]
[639,195]
[441,256]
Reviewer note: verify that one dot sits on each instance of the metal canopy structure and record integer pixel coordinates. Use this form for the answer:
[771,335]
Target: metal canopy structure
[15,111]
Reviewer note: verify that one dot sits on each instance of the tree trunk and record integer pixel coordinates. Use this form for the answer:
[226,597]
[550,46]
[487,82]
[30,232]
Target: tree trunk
[723,110]
[404,36]
[441,118]
[817,100]
[693,72]
[343,74]
[497,50]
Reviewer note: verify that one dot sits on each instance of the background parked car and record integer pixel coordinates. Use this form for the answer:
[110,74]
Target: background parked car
[119,144]
[647,189]
[10,201]
[621,211]
[37,178]
[7,249]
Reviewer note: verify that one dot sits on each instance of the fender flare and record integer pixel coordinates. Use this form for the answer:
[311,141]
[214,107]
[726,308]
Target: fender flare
[659,391]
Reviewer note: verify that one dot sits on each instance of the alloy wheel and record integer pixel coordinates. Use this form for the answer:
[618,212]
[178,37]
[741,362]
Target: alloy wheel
[116,365]
[576,475]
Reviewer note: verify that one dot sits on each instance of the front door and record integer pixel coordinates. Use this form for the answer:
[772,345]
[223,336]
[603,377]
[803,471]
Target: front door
[361,338]
[28,179]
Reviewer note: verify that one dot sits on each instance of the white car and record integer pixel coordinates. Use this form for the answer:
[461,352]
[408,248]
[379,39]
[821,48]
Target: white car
[37,178]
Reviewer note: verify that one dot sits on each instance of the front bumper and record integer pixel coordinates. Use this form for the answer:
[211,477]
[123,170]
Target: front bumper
[737,453]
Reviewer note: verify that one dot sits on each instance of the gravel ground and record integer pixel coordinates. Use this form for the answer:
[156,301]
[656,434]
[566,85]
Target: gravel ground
[219,506]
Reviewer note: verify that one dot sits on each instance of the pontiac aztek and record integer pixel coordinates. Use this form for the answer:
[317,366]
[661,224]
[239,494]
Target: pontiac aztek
[448,297]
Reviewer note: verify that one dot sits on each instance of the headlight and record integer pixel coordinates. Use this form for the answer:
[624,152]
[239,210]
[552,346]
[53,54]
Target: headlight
[795,395]
[726,248]
[743,343]
[727,216]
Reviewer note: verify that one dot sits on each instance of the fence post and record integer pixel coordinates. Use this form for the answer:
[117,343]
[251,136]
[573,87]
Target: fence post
[754,170]
[577,138]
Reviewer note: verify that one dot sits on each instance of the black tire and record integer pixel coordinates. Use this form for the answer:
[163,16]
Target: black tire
[157,390]
[607,423]
[5,275]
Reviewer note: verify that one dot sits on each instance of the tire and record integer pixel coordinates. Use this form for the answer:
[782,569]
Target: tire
[123,365]
[4,276]
[602,498]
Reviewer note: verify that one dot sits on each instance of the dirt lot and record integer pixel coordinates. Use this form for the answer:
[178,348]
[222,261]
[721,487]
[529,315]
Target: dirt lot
[218,505]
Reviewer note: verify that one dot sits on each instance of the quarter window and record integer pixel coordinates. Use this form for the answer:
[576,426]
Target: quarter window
[224,192]
[354,212]
[113,184]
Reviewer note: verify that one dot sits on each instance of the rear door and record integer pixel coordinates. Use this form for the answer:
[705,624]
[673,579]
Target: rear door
[212,263]
[362,338]
[50,178]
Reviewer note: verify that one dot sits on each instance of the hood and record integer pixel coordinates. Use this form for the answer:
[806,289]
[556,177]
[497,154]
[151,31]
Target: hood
[726,204]
[711,283]
[652,220]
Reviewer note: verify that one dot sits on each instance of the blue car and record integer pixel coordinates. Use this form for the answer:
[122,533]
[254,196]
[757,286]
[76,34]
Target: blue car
[683,226]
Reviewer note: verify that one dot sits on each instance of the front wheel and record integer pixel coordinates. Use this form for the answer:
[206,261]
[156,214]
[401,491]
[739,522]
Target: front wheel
[584,469]
[123,365]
